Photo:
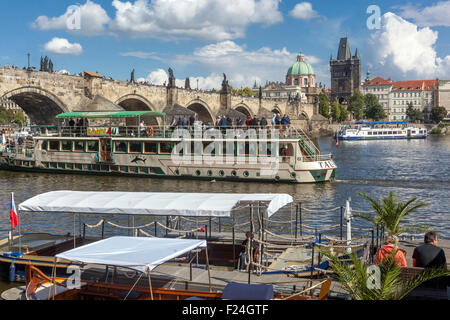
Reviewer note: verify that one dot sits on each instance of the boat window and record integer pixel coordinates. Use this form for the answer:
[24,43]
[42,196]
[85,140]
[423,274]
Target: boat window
[390,132]
[53,145]
[78,146]
[123,169]
[114,168]
[143,170]
[150,147]
[369,133]
[210,152]
[104,168]
[265,150]
[165,147]
[92,146]
[421,131]
[226,148]
[53,165]
[120,146]
[44,145]
[135,147]
[66,145]
[385,132]
[78,166]
[375,133]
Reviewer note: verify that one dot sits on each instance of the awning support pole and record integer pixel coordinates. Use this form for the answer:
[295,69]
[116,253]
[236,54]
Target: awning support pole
[150,283]
[209,272]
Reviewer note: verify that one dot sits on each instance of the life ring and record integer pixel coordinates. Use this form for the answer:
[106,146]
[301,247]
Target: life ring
[149,131]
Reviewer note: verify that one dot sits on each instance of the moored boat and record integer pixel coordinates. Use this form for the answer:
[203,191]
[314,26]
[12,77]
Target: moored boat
[201,153]
[381,131]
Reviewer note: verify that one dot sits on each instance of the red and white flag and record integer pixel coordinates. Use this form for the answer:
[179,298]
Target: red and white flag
[13,217]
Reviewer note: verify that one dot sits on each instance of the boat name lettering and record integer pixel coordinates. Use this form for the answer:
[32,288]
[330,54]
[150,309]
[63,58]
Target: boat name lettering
[103,131]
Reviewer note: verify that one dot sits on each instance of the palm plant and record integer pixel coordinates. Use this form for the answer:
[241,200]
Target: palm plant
[390,212]
[357,281]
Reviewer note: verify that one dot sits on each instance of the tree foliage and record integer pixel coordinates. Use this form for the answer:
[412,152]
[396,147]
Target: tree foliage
[324,105]
[390,212]
[356,105]
[438,114]
[335,111]
[413,114]
[373,109]
[357,281]
[9,117]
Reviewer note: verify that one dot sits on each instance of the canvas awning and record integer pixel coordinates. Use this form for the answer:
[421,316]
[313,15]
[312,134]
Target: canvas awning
[140,254]
[112,114]
[148,203]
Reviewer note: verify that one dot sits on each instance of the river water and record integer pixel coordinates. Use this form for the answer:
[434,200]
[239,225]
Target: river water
[410,168]
[415,168]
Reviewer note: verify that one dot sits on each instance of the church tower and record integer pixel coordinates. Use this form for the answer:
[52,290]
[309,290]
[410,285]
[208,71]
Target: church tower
[345,73]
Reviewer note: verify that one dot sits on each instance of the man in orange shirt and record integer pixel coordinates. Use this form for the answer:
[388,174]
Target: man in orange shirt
[390,245]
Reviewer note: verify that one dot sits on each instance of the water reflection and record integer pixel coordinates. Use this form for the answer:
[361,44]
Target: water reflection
[417,168]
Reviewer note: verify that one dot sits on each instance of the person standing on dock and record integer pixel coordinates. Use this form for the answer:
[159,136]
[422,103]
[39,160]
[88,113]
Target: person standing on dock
[386,251]
[429,255]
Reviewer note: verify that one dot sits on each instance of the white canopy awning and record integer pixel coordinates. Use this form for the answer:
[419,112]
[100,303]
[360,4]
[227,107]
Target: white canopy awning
[148,203]
[140,254]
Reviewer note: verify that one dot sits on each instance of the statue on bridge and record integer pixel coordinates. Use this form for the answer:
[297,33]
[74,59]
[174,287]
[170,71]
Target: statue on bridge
[132,77]
[171,79]
[187,84]
[225,86]
[50,66]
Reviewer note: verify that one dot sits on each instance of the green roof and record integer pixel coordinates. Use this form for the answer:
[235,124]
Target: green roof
[300,68]
[114,114]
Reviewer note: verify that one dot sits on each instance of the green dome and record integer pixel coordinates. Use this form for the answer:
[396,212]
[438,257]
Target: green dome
[301,67]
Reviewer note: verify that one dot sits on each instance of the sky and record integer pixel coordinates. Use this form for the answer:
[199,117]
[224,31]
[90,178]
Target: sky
[248,40]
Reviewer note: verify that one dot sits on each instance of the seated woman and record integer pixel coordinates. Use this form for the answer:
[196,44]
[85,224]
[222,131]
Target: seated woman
[386,251]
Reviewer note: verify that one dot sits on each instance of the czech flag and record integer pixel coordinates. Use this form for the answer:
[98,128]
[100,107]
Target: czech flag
[13,217]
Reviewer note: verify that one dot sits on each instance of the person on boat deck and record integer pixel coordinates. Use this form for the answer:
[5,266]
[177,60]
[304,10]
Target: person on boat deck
[429,255]
[245,247]
[142,127]
[390,245]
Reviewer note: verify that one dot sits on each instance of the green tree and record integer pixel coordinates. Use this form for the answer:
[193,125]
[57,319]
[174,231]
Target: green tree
[335,111]
[343,113]
[438,114]
[356,280]
[20,118]
[390,212]
[412,114]
[356,105]
[373,109]
[324,105]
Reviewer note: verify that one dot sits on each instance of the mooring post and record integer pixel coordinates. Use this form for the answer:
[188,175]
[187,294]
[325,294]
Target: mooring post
[234,249]
[103,230]
[210,227]
[301,225]
[296,221]
[84,230]
[312,260]
[156,229]
[206,232]
[342,222]
[320,240]
[167,224]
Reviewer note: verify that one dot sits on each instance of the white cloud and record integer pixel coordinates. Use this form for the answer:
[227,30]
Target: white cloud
[89,19]
[141,55]
[242,66]
[61,46]
[434,15]
[406,51]
[303,11]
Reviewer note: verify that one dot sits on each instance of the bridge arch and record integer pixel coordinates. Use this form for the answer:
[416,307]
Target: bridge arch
[40,105]
[136,102]
[202,109]
[243,108]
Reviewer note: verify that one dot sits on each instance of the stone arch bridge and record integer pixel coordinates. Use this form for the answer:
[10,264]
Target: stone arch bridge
[44,95]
